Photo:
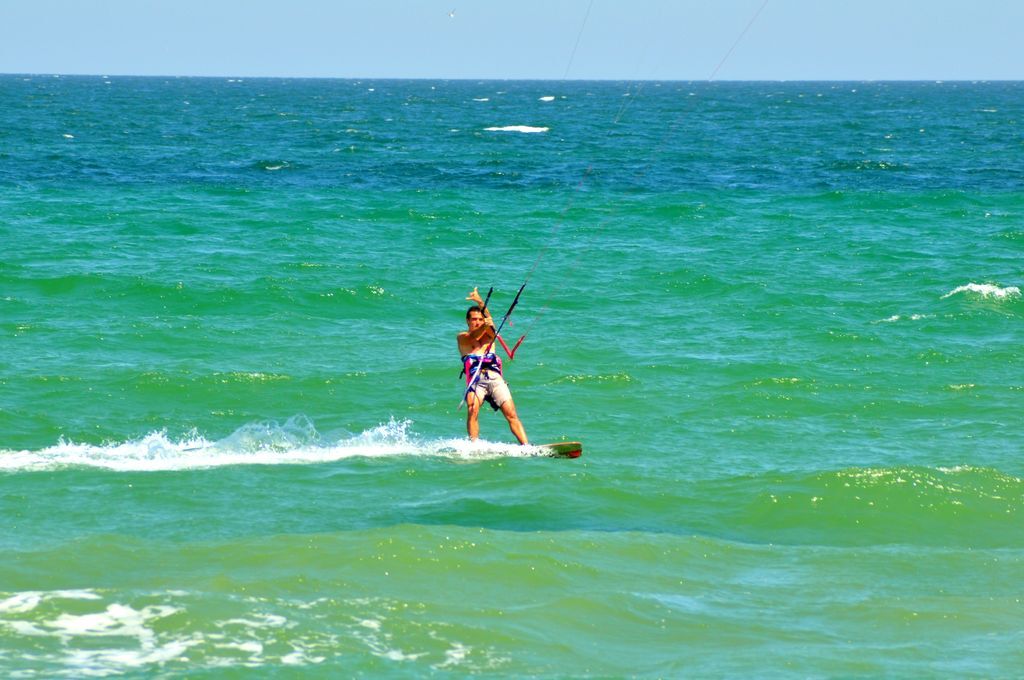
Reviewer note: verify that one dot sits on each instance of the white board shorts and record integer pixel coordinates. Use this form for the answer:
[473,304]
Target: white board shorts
[492,388]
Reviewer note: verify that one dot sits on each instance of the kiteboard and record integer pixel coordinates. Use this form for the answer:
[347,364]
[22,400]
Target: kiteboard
[563,449]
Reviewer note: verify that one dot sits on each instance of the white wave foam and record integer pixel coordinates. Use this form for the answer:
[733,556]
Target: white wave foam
[547,98]
[117,623]
[912,317]
[296,442]
[987,290]
[26,601]
[118,620]
[259,620]
[517,128]
[455,655]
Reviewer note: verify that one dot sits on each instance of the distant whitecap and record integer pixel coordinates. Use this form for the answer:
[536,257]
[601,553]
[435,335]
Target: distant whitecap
[987,290]
[548,98]
[517,128]
[911,317]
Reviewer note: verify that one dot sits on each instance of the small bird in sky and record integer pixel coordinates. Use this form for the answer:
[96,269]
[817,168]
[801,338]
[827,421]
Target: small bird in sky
[451,15]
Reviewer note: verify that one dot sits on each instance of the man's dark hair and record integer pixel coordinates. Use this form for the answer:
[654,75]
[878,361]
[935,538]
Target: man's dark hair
[475,308]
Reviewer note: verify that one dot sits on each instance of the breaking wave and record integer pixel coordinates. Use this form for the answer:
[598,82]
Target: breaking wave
[986,290]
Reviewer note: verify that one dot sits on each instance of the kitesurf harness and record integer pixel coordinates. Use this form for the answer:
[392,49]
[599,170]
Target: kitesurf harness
[491,362]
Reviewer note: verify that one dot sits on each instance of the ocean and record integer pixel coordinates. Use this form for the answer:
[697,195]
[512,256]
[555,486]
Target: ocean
[784,318]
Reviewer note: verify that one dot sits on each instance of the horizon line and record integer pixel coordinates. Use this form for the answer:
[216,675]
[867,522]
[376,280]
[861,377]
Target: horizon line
[50,74]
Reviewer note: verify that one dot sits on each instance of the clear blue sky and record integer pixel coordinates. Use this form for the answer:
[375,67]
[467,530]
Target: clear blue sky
[621,39]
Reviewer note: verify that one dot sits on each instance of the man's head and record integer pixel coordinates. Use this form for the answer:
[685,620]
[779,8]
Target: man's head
[474,317]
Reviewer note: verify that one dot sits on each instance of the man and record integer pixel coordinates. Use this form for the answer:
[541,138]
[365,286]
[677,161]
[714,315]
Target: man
[476,345]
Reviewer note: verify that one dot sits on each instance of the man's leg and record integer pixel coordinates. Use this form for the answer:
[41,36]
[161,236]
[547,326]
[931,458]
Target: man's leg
[509,409]
[472,416]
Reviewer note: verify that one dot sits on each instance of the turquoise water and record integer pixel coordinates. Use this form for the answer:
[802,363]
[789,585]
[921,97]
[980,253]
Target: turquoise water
[785,319]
